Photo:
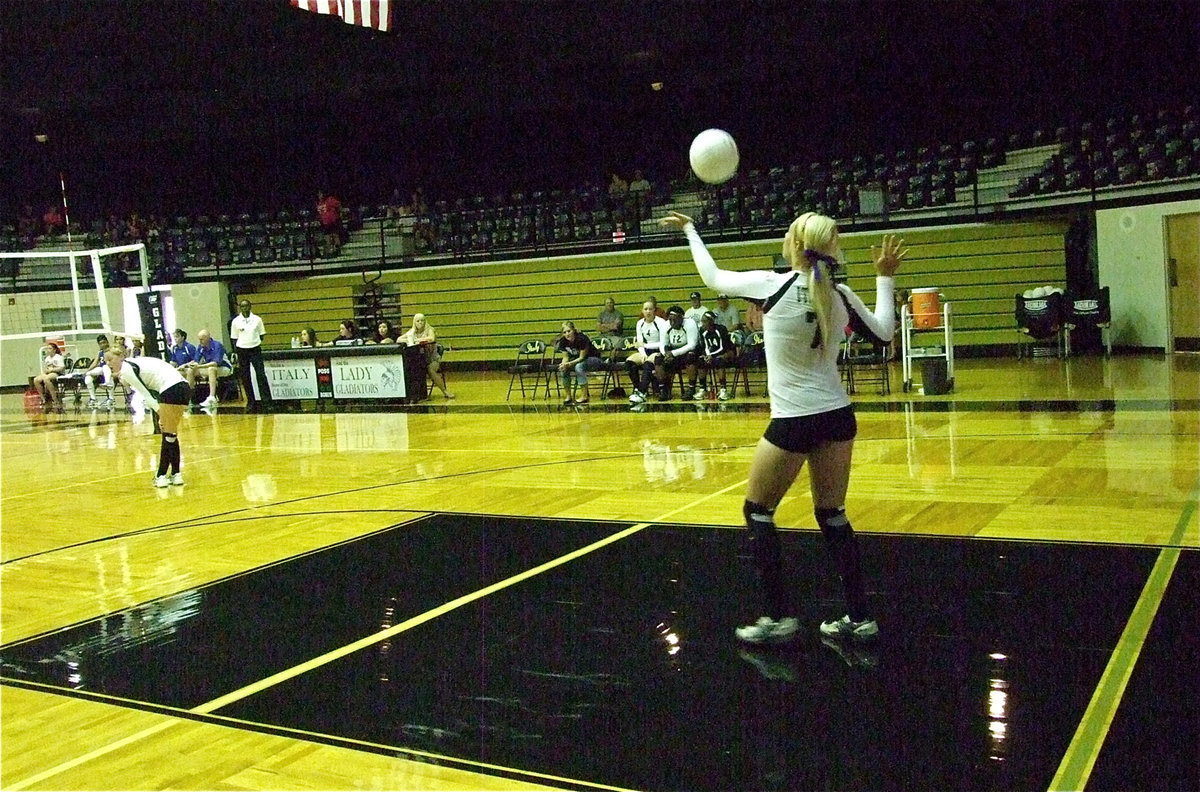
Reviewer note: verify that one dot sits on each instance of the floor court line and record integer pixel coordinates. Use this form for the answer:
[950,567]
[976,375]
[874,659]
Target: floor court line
[275,679]
[1081,754]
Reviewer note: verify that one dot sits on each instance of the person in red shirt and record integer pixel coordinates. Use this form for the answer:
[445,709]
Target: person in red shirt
[329,215]
[52,221]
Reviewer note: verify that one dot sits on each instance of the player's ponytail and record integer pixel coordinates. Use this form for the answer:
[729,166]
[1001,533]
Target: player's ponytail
[814,237]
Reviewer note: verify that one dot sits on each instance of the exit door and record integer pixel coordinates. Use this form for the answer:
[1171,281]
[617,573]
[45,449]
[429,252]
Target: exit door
[1183,280]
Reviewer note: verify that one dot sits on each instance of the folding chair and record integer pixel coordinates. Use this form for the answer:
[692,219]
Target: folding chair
[1087,310]
[610,364]
[1039,322]
[867,362]
[530,362]
[751,357]
[441,353]
[70,380]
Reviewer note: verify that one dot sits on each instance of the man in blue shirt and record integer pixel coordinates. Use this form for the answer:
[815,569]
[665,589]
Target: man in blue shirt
[209,361]
[181,351]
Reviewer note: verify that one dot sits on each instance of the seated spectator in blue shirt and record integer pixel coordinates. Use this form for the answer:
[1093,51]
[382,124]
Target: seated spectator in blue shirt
[181,351]
[209,361]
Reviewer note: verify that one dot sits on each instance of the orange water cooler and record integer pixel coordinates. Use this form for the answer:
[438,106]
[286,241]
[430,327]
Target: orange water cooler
[926,308]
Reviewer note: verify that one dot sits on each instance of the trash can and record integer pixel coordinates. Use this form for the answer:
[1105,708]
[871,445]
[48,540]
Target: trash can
[934,379]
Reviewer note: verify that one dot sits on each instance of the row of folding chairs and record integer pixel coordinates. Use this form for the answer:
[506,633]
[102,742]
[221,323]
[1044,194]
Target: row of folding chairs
[534,368]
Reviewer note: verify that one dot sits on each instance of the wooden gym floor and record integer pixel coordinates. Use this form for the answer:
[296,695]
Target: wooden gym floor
[491,594]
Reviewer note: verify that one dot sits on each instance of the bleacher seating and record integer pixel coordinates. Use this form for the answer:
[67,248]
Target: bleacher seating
[490,308]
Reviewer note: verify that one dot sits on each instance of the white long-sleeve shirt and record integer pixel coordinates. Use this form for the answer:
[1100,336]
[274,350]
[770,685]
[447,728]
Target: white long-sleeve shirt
[645,333]
[683,339]
[801,380]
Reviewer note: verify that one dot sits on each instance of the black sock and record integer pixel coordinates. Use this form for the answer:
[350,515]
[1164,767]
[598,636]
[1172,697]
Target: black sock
[169,460]
[164,454]
[839,536]
[764,541]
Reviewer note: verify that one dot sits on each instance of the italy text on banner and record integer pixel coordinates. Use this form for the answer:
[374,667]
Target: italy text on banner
[376,14]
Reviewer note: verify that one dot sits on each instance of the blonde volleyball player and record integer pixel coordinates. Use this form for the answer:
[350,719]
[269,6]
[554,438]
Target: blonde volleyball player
[811,417]
[166,392]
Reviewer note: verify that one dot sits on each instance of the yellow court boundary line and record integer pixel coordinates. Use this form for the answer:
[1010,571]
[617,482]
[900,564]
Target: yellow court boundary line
[1077,763]
[275,679]
[407,624]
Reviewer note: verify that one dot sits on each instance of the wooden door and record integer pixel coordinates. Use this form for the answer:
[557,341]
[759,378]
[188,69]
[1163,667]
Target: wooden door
[1183,277]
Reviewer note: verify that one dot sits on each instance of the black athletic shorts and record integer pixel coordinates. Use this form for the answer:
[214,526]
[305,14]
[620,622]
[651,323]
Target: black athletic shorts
[803,434]
[179,393]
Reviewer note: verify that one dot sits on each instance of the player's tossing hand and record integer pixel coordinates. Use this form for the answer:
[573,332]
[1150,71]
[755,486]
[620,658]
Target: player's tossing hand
[675,221]
[887,258]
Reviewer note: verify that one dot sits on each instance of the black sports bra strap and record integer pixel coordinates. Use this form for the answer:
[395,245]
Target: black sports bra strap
[778,295]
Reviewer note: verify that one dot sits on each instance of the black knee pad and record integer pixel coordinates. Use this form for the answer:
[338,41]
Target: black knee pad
[764,539]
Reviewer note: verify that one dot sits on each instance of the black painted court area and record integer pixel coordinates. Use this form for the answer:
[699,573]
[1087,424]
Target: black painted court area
[620,667]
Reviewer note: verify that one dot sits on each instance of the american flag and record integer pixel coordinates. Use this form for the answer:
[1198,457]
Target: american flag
[376,14]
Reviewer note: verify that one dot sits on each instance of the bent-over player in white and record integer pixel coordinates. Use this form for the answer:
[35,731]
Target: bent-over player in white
[165,392]
[804,316]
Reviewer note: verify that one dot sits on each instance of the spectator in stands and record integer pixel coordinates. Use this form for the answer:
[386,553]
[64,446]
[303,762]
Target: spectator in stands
[639,188]
[754,315]
[247,332]
[658,311]
[618,191]
[639,196]
[727,315]
[114,229]
[384,333]
[347,334]
[210,362]
[139,346]
[394,205]
[27,227]
[329,216]
[697,310]
[52,221]
[715,353]
[421,335]
[679,352]
[650,336]
[308,338]
[136,229]
[98,369]
[44,383]
[181,351]
[611,322]
[579,356]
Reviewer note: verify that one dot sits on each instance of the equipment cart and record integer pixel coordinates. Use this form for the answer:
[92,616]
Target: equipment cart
[909,352]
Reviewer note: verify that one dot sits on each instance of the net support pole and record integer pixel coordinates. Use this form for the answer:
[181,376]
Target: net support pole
[98,275]
[144,264]
[75,291]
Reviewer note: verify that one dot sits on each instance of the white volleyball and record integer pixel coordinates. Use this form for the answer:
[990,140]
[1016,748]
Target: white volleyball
[714,156]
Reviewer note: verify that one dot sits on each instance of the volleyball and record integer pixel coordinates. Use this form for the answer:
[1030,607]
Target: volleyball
[714,156]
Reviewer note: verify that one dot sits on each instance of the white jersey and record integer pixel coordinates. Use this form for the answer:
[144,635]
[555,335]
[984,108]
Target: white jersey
[651,336]
[683,339]
[149,376]
[801,379]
